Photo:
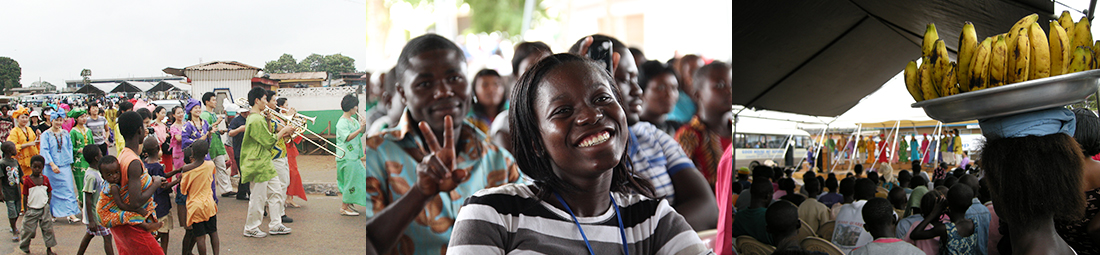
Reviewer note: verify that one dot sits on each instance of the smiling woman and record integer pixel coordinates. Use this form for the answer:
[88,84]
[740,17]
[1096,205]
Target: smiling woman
[570,138]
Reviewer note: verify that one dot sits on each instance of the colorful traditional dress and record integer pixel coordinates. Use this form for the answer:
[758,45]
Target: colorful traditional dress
[903,149]
[57,148]
[350,174]
[703,147]
[176,144]
[914,154]
[81,136]
[21,135]
[295,187]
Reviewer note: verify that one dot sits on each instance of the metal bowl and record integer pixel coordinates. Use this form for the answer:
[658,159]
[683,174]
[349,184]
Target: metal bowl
[1014,98]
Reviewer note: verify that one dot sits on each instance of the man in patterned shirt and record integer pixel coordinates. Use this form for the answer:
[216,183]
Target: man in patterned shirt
[403,195]
[654,154]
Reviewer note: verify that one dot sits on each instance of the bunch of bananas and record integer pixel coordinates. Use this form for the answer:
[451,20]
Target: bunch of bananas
[1024,53]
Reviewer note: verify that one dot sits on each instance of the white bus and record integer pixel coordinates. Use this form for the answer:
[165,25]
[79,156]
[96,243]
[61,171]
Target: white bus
[760,142]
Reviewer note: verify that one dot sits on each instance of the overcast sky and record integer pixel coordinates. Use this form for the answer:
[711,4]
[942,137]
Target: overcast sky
[54,40]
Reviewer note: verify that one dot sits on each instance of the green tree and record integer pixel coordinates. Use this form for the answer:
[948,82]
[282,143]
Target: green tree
[285,64]
[487,16]
[10,73]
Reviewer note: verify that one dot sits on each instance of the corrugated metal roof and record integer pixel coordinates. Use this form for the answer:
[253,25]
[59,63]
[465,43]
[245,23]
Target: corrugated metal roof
[221,65]
[179,85]
[299,76]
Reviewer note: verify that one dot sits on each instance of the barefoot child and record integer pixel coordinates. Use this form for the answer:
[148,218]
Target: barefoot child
[201,209]
[151,157]
[93,185]
[36,192]
[112,208]
[10,177]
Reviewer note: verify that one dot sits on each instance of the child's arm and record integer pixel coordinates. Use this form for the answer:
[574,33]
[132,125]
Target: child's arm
[938,229]
[184,168]
[116,195]
[89,207]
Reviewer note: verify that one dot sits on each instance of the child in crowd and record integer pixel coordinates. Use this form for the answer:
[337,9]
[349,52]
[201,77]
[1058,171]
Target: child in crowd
[957,236]
[162,197]
[200,206]
[93,185]
[10,177]
[113,209]
[36,193]
[880,221]
[709,131]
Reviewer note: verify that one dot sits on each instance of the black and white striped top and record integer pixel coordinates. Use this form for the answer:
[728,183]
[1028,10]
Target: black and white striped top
[510,219]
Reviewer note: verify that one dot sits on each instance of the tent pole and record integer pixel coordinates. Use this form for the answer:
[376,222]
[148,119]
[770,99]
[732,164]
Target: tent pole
[897,130]
[820,144]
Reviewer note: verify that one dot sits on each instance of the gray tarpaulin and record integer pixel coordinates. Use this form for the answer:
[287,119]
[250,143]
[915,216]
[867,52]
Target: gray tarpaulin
[821,57]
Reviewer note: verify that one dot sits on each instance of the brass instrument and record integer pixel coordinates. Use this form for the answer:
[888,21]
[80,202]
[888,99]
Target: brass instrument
[298,121]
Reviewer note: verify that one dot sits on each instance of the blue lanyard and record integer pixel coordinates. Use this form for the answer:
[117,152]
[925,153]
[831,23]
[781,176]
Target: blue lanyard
[618,215]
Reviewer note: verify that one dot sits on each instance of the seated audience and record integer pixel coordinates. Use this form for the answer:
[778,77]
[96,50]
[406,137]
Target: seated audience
[710,130]
[751,221]
[832,197]
[1083,234]
[579,168]
[898,200]
[782,224]
[655,155]
[957,233]
[849,232]
[811,211]
[880,222]
[660,92]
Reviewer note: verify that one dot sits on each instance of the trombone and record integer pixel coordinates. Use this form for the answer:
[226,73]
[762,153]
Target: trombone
[299,123]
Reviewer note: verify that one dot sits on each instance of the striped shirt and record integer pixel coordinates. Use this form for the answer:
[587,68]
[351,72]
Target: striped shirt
[656,156]
[510,219]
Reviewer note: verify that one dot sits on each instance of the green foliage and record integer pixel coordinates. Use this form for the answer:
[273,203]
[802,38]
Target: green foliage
[332,64]
[10,72]
[487,16]
[285,64]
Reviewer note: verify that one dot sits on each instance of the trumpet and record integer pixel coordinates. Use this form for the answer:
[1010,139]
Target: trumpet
[299,123]
[299,116]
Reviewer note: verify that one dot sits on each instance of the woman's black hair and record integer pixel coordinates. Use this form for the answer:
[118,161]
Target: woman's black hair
[530,152]
[488,72]
[421,44]
[171,115]
[1088,131]
[145,113]
[349,101]
[651,69]
[280,102]
[158,109]
[787,184]
[1035,177]
[525,49]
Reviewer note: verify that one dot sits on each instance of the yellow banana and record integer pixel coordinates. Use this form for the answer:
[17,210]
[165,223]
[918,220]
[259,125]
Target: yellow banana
[949,81]
[968,42]
[941,63]
[912,81]
[1039,66]
[979,67]
[1019,58]
[1021,26]
[1059,49]
[1067,23]
[1082,35]
[998,59]
[1096,55]
[927,86]
[930,37]
[1079,60]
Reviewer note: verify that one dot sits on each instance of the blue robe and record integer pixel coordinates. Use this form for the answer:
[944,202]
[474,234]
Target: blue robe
[59,151]
[914,154]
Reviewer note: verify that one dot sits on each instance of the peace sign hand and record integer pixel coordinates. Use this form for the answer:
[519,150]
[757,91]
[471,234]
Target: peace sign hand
[436,171]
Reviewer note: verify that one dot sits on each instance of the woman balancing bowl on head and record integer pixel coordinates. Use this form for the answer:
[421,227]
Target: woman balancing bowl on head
[1034,169]
[570,139]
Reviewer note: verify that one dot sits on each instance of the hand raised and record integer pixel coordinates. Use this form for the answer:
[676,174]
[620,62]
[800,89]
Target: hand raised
[436,171]
[614,55]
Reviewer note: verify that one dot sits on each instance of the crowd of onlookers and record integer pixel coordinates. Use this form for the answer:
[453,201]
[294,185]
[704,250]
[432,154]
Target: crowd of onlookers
[918,211]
